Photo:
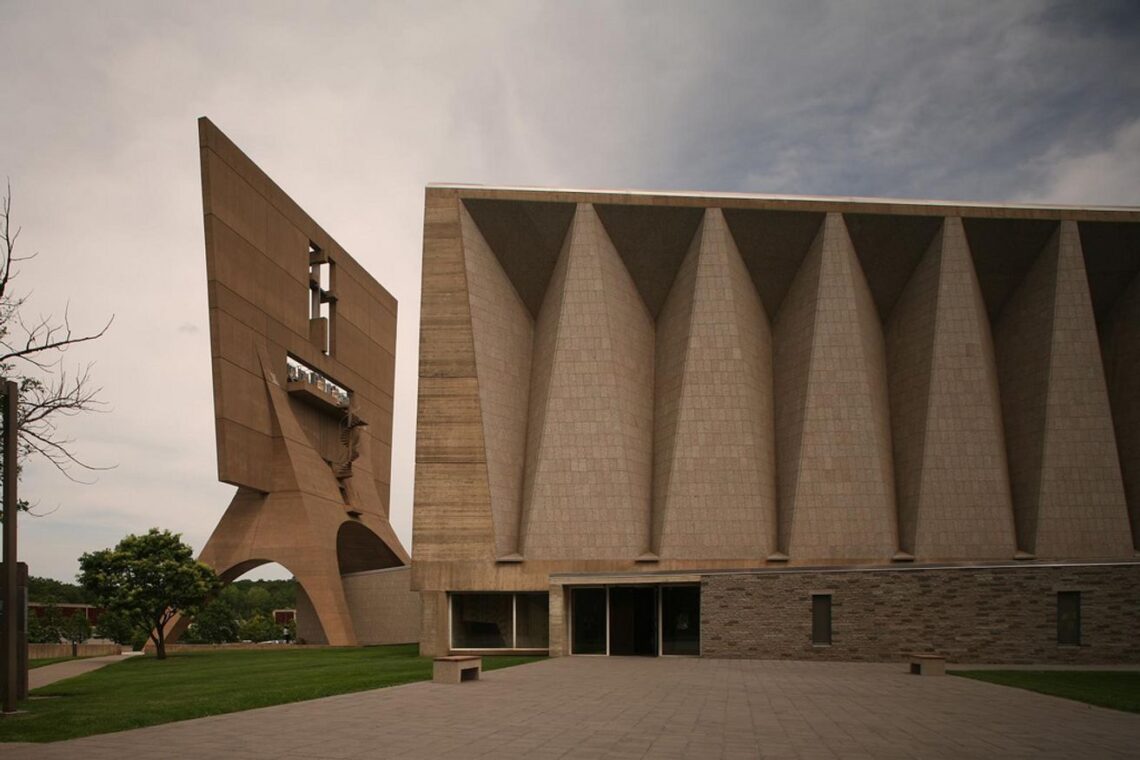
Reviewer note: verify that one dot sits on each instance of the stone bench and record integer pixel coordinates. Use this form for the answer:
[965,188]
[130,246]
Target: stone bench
[927,664]
[457,668]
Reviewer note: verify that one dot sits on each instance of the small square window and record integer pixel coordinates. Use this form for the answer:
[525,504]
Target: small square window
[821,619]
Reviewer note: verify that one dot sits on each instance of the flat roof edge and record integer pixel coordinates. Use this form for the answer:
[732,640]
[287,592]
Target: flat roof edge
[512,191]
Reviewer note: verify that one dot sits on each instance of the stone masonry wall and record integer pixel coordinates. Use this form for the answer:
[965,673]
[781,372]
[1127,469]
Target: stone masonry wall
[1004,614]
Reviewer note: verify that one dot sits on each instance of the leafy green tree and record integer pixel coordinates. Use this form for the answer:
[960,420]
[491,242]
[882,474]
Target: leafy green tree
[215,624]
[258,628]
[118,627]
[46,628]
[259,600]
[51,591]
[76,629]
[150,579]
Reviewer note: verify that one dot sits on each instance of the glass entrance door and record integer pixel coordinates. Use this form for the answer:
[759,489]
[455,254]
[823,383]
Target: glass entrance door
[633,620]
[588,620]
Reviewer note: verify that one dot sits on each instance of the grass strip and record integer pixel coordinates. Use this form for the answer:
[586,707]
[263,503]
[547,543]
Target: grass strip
[142,691]
[40,662]
[1114,689]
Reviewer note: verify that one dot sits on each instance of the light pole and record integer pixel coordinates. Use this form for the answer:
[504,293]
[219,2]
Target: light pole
[11,568]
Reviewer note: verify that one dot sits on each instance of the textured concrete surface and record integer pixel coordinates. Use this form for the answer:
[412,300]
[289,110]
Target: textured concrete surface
[589,463]
[313,472]
[713,408]
[950,459]
[606,379]
[648,708]
[833,439]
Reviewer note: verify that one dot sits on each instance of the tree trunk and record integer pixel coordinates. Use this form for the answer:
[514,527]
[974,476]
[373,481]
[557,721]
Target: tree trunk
[160,641]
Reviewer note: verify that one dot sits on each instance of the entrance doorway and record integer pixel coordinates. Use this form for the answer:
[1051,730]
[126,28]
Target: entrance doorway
[643,620]
[633,621]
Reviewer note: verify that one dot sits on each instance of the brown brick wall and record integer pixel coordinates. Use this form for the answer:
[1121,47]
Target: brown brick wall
[978,615]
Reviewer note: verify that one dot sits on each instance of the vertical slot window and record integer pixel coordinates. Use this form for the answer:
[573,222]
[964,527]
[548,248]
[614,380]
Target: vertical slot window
[821,619]
[322,300]
[1069,618]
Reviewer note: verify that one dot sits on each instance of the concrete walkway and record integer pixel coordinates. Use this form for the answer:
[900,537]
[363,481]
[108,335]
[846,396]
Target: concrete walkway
[49,674]
[647,708]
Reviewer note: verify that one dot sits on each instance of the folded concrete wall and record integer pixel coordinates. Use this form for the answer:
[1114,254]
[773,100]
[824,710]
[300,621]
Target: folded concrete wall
[613,381]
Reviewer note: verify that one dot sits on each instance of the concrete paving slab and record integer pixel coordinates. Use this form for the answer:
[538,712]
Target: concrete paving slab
[647,708]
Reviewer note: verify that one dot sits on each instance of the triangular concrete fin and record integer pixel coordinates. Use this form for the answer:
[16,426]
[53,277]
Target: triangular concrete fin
[714,485]
[587,489]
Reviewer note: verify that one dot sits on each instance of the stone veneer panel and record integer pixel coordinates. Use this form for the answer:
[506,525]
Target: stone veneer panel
[1122,371]
[452,519]
[589,447]
[1067,489]
[503,333]
[833,426]
[714,479]
[967,614]
[950,465]
[384,608]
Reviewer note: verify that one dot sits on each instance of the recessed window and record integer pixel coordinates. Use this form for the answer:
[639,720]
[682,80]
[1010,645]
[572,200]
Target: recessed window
[323,386]
[821,619]
[1069,618]
[322,298]
[500,620]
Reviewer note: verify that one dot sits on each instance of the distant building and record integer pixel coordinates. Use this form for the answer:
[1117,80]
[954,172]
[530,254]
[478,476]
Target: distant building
[284,617]
[748,426]
[65,610]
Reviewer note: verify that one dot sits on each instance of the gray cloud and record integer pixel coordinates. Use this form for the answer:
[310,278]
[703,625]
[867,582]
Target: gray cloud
[353,107]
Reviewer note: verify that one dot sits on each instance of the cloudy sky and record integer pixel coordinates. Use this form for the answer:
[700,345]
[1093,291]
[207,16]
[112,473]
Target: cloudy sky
[353,107]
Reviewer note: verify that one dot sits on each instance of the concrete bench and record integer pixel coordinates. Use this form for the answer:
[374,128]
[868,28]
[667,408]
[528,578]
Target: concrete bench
[927,664]
[457,668]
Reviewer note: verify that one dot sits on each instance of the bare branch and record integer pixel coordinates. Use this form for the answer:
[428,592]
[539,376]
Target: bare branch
[50,392]
[44,336]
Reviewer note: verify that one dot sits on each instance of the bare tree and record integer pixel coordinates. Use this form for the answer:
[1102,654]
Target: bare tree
[32,352]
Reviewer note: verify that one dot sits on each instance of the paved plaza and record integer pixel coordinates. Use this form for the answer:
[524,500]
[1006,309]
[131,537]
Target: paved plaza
[646,708]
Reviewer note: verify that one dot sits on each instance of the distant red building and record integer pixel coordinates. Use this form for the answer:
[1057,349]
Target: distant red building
[284,617]
[90,611]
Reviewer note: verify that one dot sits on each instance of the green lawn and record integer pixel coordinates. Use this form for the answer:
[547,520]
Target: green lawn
[142,691]
[1116,689]
[39,662]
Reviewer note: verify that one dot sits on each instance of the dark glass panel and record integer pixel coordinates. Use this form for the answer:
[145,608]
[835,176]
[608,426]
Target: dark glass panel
[821,619]
[680,619]
[1069,617]
[588,631]
[532,620]
[481,621]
